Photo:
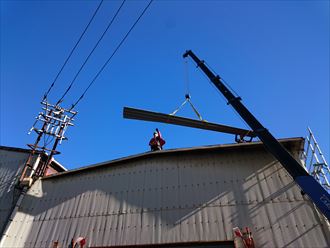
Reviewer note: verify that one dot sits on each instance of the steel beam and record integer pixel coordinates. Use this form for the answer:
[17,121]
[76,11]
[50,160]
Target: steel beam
[138,114]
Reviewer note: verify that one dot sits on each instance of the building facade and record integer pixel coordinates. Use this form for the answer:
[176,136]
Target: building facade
[12,162]
[172,198]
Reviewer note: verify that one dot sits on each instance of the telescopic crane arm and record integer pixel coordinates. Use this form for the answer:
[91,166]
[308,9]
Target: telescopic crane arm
[308,184]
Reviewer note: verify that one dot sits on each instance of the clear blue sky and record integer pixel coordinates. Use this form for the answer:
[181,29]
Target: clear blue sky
[275,54]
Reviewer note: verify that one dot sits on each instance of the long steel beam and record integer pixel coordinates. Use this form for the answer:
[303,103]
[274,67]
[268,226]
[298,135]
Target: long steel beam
[138,114]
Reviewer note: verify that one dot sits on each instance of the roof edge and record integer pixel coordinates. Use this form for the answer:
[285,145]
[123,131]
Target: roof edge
[26,150]
[17,149]
[58,164]
[298,140]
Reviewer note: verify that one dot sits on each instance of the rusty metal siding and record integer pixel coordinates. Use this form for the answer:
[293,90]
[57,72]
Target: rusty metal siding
[11,165]
[196,196]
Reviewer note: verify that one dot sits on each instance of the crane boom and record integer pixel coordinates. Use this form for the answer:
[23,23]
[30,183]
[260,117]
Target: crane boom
[307,183]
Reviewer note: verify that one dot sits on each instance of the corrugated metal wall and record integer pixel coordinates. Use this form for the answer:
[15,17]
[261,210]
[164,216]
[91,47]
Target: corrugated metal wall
[11,165]
[176,197]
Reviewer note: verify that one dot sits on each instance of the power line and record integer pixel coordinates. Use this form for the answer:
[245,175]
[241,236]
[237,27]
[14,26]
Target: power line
[91,52]
[70,54]
[114,52]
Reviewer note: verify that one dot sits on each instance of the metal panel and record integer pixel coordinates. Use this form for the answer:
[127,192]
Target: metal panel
[197,196]
[11,165]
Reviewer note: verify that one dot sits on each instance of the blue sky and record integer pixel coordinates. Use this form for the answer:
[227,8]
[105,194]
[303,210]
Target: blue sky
[275,54]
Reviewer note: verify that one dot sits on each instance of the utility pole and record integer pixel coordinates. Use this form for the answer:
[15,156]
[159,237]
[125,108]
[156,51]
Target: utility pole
[50,127]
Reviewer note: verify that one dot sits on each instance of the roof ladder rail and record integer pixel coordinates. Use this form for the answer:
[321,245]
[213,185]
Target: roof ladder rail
[314,161]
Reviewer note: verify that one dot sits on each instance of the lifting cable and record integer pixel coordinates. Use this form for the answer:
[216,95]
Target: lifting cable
[73,49]
[91,52]
[187,95]
[188,99]
[109,59]
[186,68]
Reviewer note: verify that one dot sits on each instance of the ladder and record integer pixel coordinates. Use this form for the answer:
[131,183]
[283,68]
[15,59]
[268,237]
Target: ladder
[314,161]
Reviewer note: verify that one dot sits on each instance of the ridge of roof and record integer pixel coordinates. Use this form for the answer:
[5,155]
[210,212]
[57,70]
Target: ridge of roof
[298,141]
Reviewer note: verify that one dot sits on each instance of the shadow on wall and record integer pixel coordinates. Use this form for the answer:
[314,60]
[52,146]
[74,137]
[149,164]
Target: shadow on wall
[220,189]
[11,166]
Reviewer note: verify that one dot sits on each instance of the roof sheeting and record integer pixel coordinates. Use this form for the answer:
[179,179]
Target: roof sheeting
[55,164]
[11,165]
[293,144]
[12,162]
[175,197]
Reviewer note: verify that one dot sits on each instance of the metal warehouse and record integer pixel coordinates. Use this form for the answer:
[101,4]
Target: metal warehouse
[191,197]
[12,163]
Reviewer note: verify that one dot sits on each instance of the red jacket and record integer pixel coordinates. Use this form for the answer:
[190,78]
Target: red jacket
[156,143]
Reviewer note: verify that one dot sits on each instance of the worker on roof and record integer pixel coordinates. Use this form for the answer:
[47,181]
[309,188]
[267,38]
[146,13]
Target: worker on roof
[156,143]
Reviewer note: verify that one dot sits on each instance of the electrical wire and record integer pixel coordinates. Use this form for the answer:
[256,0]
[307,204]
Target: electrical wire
[72,50]
[109,59]
[91,52]
[48,140]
